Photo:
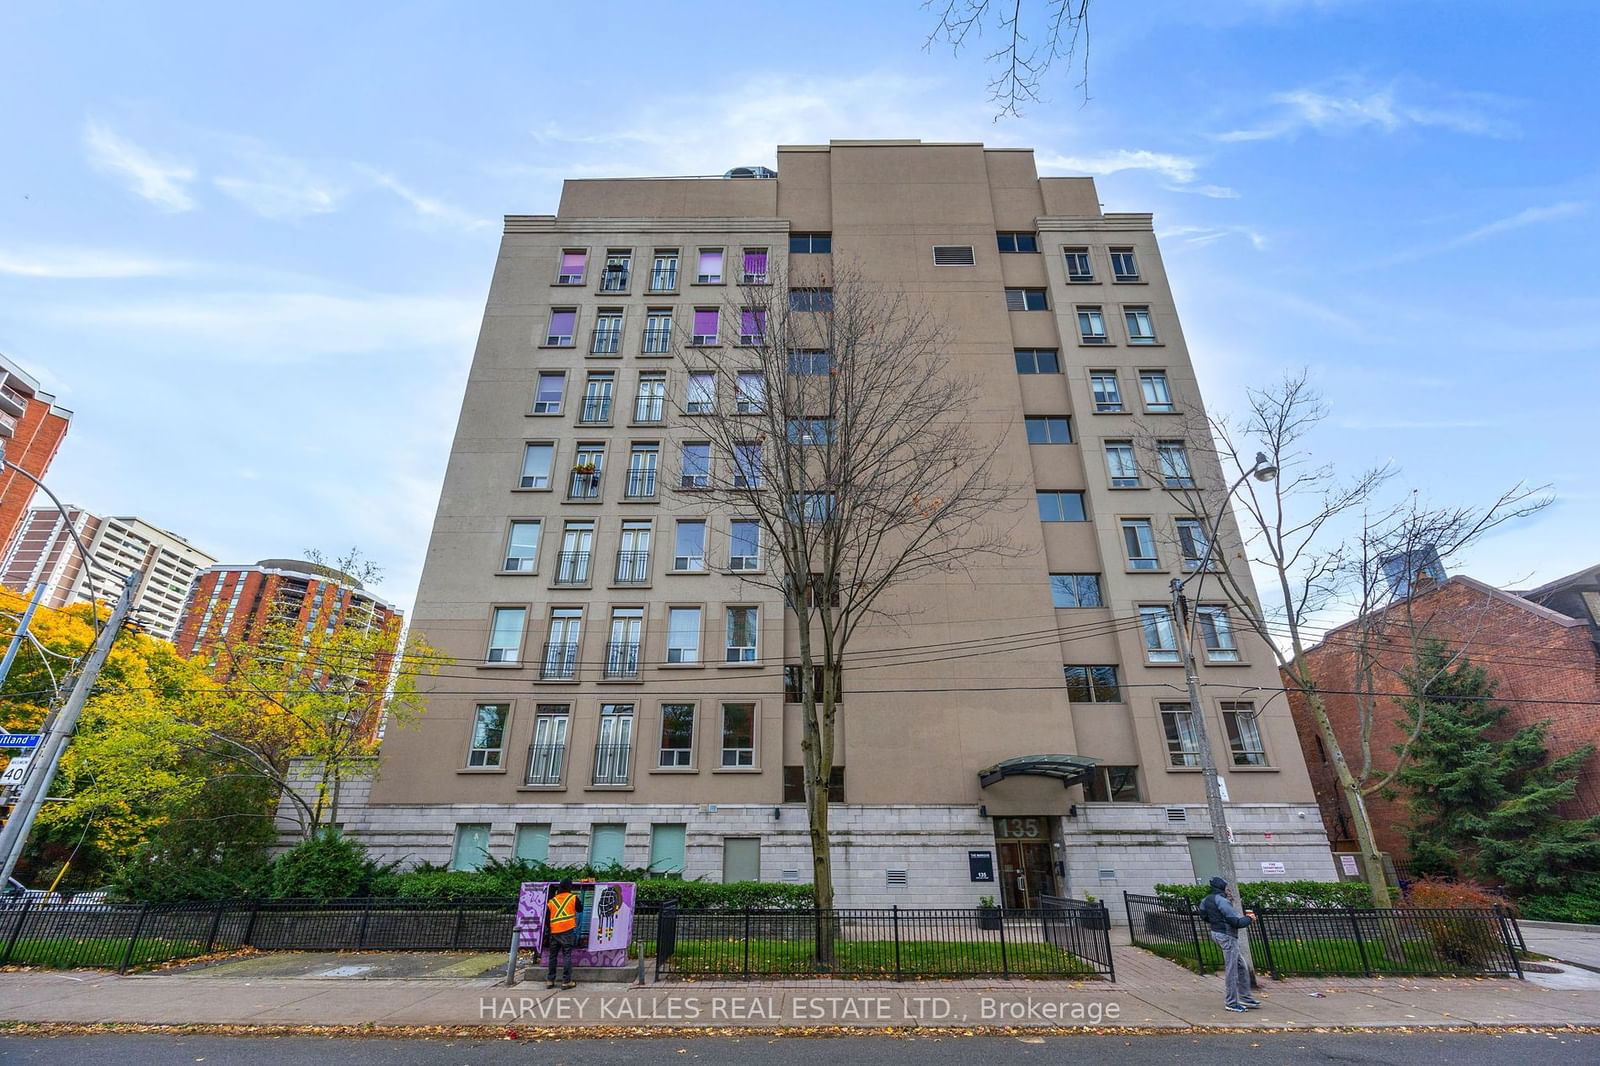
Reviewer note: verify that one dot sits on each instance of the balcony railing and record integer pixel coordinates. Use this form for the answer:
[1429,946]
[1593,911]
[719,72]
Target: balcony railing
[560,662]
[657,341]
[614,279]
[641,484]
[595,409]
[606,342]
[545,762]
[583,486]
[572,568]
[622,660]
[611,763]
[663,279]
[648,409]
[633,568]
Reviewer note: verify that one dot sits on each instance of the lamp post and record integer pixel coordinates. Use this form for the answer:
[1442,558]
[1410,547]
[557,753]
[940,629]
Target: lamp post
[1183,617]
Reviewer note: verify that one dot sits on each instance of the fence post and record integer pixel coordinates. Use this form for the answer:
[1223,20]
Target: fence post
[216,923]
[896,916]
[747,943]
[250,926]
[1127,908]
[361,929]
[1005,965]
[138,927]
[461,918]
[1105,939]
[1361,947]
[1505,935]
[1266,941]
[1194,928]
[16,930]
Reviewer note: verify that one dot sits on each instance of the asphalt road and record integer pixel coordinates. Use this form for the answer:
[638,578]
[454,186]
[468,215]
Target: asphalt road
[1405,1049]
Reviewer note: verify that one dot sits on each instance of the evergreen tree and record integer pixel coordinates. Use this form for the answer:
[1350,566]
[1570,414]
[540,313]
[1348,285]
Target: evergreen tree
[1485,803]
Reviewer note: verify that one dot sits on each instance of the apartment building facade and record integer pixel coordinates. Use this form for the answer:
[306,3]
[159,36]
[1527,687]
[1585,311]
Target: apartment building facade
[32,427]
[45,552]
[621,690]
[235,602]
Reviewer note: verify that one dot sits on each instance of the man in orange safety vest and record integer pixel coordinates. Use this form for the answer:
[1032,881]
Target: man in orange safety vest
[561,926]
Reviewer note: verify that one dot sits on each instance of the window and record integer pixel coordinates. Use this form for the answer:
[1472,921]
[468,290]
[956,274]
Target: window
[563,325]
[613,752]
[587,465]
[794,784]
[1140,329]
[1038,361]
[677,735]
[1048,429]
[1113,784]
[1092,684]
[811,506]
[1122,465]
[664,270]
[1075,590]
[597,398]
[815,299]
[753,326]
[683,634]
[1244,733]
[1079,269]
[1194,544]
[1157,397]
[488,734]
[642,461]
[810,243]
[738,735]
[1216,633]
[1026,300]
[622,650]
[633,554]
[572,563]
[657,332]
[471,849]
[547,397]
[1092,326]
[522,547]
[702,396]
[607,333]
[741,859]
[1107,393]
[953,255]
[1123,265]
[747,465]
[689,547]
[618,268]
[1018,242]
[606,845]
[744,544]
[791,684]
[710,272]
[741,646]
[533,843]
[705,326]
[1160,641]
[536,461]
[696,472]
[755,267]
[561,650]
[1061,507]
[548,753]
[1173,459]
[815,584]
[750,392]
[1139,540]
[648,406]
[1183,747]
[809,363]
[666,850]
[807,431]
[505,635]
[573,263]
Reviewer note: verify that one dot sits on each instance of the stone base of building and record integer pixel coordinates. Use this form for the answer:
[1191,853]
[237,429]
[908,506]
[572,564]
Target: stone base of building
[911,855]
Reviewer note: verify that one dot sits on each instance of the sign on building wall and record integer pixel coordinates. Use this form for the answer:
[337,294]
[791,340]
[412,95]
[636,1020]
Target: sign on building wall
[1272,868]
[980,864]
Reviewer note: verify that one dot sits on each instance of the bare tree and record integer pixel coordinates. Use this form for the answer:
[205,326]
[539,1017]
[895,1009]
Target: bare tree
[846,441]
[1030,43]
[353,563]
[1297,528]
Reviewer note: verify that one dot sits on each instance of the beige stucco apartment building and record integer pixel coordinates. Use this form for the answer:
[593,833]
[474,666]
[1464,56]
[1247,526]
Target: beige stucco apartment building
[618,689]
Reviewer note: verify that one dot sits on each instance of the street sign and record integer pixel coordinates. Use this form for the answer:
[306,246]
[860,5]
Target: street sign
[16,770]
[19,740]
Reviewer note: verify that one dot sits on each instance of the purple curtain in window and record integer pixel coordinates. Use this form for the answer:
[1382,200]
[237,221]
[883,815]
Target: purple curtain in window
[562,323]
[572,263]
[755,263]
[705,323]
[711,262]
[753,323]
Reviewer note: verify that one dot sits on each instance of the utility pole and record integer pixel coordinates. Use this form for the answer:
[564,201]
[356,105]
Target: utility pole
[21,633]
[57,731]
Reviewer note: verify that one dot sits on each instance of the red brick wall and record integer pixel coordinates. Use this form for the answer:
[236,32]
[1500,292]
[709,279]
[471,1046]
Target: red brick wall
[34,445]
[1530,656]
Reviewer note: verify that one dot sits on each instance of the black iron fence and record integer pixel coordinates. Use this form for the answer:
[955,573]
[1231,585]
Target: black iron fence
[890,942]
[1340,941]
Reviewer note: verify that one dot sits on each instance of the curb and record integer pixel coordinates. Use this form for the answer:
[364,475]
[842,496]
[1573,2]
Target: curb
[1564,927]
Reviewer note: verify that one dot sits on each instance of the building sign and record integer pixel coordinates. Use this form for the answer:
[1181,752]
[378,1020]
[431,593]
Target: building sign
[1020,829]
[1272,868]
[1348,864]
[980,864]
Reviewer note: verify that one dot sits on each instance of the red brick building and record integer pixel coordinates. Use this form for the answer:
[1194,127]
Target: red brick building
[31,430]
[239,601]
[1531,651]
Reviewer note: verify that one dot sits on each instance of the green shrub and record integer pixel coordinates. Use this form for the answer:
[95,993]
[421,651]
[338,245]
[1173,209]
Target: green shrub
[1281,895]
[328,866]
[1581,905]
[713,896]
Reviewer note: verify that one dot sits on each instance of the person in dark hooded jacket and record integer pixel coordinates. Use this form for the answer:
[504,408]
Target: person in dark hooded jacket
[1225,922]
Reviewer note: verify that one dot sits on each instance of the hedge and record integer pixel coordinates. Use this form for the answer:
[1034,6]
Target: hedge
[1581,905]
[1282,895]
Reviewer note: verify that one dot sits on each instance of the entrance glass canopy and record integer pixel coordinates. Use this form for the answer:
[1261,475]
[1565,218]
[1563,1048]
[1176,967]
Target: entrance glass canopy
[1068,769]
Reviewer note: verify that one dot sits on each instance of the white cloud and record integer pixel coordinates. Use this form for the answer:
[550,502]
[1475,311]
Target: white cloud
[1209,234]
[275,186]
[77,263]
[429,209]
[164,182]
[1181,169]
[1351,106]
[1527,217]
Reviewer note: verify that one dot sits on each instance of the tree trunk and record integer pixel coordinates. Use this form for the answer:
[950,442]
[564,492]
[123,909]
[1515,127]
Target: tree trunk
[1357,802]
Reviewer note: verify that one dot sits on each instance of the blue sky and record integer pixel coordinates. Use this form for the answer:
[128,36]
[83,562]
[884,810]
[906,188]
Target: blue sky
[249,244]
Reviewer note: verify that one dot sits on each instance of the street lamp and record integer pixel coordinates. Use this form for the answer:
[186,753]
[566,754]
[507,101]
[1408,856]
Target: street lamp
[1262,471]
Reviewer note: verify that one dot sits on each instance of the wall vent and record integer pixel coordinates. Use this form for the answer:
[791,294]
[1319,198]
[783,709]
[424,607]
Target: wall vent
[895,878]
[1177,814]
[953,255]
[791,874]
[1108,875]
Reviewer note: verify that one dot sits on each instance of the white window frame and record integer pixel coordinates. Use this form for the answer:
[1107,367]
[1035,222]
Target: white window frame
[1092,324]
[483,757]
[1139,543]
[741,653]
[505,652]
[1141,327]
[1158,633]
[1217,635]
[679,653]
[525,476]
[741,758]
[532,560]
[689,564]
[1078,257]
[744,562]
[1123,475]
[1106,402]
[550,407]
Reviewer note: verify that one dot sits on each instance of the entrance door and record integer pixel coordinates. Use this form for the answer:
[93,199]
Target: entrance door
[1025,874]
